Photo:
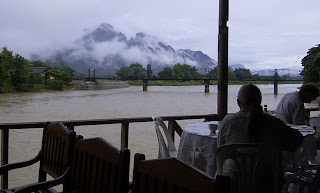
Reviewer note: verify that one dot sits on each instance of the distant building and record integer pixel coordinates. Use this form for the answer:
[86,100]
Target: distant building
[39,70]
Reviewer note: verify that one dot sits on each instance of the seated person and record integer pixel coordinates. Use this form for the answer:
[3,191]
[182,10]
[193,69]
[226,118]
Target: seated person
[252,125]
[291,106]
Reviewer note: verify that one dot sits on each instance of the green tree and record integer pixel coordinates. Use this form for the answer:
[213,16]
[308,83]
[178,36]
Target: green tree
[242,74]
[137,71]
[6,59]
[58,76]
[123,73]
[38,63]
[166,73]
[311,65]
[21,73]
[149,71]
[213,73]
[185,71]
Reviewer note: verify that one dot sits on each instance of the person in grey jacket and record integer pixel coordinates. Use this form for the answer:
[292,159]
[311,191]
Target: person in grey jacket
[252,125]
[291,106]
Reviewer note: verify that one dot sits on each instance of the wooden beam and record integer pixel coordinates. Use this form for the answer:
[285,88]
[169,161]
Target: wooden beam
[223,58]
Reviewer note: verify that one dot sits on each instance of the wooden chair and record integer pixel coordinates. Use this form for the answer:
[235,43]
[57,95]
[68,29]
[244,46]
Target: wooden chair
[169,175]
[54,157]
[247,158]
[99,167]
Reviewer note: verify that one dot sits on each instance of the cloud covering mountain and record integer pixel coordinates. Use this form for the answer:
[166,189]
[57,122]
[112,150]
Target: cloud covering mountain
[106,49]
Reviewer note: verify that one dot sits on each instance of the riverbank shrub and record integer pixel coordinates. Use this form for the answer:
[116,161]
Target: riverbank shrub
[55,85]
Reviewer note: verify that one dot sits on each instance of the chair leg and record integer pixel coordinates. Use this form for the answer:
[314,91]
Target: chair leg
[285,188]
[301,188]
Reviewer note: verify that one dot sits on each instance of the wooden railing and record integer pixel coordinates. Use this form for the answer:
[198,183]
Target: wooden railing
[173,127]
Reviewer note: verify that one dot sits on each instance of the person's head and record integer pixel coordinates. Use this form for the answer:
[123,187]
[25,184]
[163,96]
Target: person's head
[249,101]
[249,95]
[309,92]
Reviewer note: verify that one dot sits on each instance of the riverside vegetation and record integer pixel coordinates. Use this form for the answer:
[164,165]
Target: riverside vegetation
[16,74]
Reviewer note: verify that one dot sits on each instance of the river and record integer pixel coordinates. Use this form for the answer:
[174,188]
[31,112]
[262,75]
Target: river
[113,103]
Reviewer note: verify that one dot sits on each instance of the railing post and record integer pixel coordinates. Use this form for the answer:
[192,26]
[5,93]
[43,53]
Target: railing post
[124,135]
[206,85]
[145,84]
[4,156]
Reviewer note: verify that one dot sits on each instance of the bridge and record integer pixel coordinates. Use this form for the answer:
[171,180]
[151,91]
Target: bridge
[206,81]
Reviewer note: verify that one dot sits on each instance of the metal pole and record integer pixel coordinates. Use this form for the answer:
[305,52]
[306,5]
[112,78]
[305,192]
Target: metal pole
[223,58]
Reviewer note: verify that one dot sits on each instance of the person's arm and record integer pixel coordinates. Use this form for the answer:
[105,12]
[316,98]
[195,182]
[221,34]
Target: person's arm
[291,138]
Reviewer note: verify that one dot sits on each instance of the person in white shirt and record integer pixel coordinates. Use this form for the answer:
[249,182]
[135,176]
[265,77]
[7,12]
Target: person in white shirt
[291,106]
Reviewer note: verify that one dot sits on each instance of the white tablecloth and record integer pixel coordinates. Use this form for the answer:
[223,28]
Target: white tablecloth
[198,146]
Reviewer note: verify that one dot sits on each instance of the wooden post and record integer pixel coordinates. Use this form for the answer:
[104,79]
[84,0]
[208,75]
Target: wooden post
[124,135]
[4,156]
[223,59]
[275,82]
[145,84]
[206,85]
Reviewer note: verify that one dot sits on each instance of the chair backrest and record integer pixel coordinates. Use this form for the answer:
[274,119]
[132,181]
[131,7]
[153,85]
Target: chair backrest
[247,158]
[99,167]
[169,175]
[165,150]
[314,122]
[56,151]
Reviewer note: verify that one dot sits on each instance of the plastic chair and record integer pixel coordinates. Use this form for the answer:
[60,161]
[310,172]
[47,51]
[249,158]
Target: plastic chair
[314,122]
[170,175]
[247,158]
[165,150]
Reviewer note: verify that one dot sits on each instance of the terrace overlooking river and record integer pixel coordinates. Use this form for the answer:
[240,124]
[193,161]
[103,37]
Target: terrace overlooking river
[113,103]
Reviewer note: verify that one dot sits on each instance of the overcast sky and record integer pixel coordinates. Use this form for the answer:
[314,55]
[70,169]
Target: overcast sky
[264,34]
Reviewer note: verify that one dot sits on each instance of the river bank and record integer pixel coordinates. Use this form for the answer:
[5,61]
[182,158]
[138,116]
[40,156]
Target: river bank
[96,85]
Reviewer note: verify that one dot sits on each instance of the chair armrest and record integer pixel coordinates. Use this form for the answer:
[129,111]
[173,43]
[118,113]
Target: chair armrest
[42,185]
[12,166]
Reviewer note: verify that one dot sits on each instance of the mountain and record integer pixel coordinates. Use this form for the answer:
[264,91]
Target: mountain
[281,72]
[107,50]
[236,66]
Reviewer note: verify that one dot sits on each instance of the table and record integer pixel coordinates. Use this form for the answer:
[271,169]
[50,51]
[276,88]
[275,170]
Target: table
[293,161]
[198,146]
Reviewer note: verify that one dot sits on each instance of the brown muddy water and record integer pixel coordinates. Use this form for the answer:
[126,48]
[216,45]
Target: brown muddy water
[107,104]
